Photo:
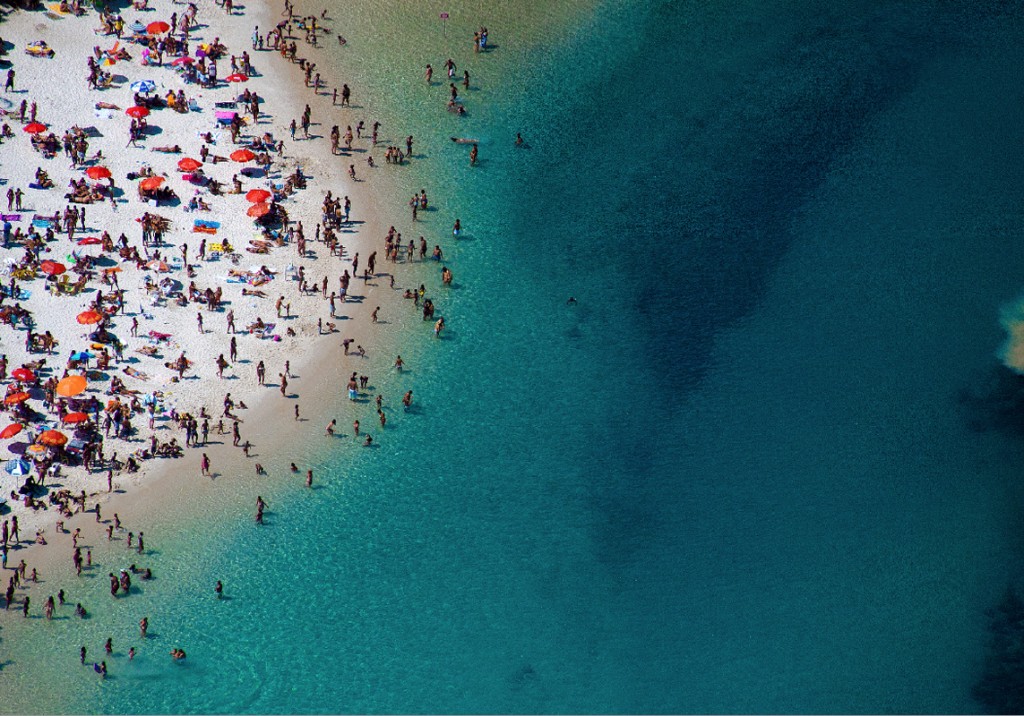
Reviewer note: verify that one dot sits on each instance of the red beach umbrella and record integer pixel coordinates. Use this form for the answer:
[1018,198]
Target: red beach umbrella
[242,155]
[23,374]
[97,173]
[10,431]
[34,128]
[52,438]
[258,210]
[257,196]
[89,241]
[137,111]
[75,418]
[188,164]
[15,398]
[157,28]
[183,61]
[237,77]
[87,318]
[150,183]
[52,268]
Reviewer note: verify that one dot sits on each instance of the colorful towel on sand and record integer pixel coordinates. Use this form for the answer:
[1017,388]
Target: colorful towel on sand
[10,217]
[203,230]
[206,223]
[44,223]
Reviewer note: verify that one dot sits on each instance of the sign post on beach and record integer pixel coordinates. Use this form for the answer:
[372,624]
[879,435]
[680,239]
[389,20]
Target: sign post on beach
[444,26]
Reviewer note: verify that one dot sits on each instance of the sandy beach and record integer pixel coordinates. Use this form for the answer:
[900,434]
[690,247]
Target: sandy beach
[257,276]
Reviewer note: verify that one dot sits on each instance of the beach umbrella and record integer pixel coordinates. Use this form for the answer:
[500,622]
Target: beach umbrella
[81,355]
[75,418]
[36,449]
[17,448]
[97,173]
[258,210]
[23,374]
[157,28]
[143,86]
[87,318]
[89,241]
[17,467]
[183,61]
[15,398]
[71,386]
[11,430]
[52,268]
[237,77]
[52,438]
[257,196]
[242,155]
[34,128]
[158,265]
[150,183]
[188,164]
[138,112]
[137,27]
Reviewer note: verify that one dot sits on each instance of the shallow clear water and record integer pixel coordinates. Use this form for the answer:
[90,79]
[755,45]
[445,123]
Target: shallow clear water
[741,474]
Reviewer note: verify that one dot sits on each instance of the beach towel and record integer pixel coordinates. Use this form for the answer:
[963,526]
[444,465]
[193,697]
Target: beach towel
[206,223]
[203,230]
[40,222]
[10,217]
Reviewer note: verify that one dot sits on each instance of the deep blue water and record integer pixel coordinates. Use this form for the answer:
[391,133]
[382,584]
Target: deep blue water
[740,474]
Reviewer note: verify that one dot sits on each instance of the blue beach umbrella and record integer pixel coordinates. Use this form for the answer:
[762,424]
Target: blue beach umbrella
[144,86]
[81,355]
[17,467]
[137,27]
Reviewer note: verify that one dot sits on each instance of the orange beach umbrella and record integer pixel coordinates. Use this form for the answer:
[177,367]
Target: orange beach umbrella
[87,318]
[157,28]
[52,438]
[97,173]
[188,164]
[71,386]
[15,398]
[75,418]
[257,196]
[242,155]
[150,183]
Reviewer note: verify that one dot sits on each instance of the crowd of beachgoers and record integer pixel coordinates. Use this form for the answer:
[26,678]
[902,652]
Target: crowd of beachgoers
[171,267]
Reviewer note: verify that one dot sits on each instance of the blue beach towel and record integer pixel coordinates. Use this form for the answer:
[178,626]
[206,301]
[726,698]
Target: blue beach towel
[206,224]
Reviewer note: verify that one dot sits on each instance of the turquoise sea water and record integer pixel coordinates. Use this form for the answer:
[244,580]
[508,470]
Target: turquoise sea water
[755,469]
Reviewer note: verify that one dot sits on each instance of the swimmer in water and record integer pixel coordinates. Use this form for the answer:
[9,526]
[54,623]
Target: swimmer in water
[572,301]
[219,589]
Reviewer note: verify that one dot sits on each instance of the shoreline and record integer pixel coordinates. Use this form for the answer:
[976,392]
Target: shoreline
[160,491]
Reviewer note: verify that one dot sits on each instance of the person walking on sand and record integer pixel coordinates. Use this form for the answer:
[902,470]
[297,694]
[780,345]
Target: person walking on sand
[330,427]
[9,84]
[205,465]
